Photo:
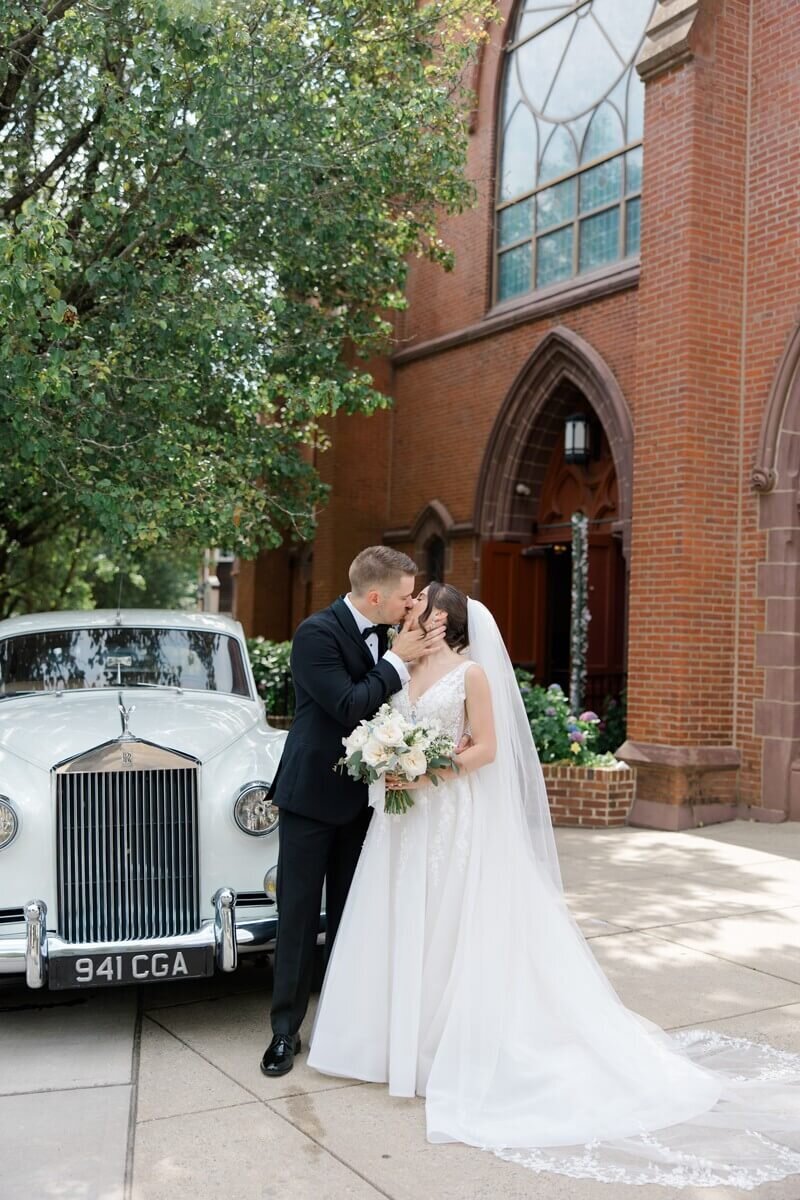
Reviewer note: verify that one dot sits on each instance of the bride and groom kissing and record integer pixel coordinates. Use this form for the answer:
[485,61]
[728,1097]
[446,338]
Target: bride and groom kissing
[454,969]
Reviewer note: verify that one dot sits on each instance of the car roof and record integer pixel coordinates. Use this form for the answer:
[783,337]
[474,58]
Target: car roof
[124,618]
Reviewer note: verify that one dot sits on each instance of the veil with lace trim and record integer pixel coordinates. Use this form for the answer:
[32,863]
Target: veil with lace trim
[539,1059]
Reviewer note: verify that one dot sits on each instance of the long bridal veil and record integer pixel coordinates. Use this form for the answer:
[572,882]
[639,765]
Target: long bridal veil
[539,1059]
[516,773]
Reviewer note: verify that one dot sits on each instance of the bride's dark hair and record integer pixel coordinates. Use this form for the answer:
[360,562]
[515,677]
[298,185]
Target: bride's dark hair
[450,600]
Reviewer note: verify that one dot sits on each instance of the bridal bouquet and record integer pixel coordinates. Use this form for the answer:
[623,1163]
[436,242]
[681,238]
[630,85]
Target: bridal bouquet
[388,744]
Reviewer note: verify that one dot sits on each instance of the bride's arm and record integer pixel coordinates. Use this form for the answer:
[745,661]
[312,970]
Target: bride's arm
[481,721]
[484,742]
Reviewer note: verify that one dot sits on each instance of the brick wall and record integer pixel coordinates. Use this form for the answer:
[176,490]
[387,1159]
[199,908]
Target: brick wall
[694,345]
[593,797]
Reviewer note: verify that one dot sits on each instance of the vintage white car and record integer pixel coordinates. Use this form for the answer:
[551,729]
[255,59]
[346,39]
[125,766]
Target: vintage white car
[136,839]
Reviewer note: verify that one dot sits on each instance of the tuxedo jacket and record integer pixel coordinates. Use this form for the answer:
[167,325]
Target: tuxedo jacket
[336,685]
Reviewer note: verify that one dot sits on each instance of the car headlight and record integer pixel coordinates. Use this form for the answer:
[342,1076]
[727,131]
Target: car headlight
[271,885]
[253,812]
[9,822]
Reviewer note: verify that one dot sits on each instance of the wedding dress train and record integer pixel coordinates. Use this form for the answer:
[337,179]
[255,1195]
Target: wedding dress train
[459,974]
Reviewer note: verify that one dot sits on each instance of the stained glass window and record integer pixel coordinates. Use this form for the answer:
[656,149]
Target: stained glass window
[570,166]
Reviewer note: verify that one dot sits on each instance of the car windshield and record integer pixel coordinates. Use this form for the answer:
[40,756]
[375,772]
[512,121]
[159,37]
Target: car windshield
[69,659]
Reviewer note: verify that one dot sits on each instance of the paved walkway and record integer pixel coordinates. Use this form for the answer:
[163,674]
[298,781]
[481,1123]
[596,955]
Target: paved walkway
[157,1095]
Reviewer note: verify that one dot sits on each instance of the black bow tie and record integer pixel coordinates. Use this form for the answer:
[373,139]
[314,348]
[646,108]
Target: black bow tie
[370,629]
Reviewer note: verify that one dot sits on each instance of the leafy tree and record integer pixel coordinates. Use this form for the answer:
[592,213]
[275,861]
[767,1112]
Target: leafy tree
[71,569]
[202,204]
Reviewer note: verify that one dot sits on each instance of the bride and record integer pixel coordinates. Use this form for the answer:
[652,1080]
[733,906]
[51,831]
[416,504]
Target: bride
[459,974]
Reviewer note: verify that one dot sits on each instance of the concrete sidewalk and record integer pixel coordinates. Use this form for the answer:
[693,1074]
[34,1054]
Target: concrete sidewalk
[157,1095]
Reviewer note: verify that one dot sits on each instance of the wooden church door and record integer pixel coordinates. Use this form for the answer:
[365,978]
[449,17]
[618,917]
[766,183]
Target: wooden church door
[513,585]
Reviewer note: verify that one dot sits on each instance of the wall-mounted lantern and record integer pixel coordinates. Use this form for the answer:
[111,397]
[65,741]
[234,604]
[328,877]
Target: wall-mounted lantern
[577,438]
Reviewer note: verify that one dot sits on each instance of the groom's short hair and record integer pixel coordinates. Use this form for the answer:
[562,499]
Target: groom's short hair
[377,566]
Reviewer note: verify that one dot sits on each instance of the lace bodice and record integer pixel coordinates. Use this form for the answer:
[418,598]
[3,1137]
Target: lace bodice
[443,702]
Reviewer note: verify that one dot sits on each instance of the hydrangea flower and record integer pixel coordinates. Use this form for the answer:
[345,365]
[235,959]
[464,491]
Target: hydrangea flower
[576,737]
[590,716]
[550,712]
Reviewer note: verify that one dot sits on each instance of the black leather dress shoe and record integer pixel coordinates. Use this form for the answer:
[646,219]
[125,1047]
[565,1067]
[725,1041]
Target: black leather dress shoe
[279,1055]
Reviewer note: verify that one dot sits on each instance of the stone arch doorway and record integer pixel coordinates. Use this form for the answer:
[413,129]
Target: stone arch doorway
[776,479]
[527,494]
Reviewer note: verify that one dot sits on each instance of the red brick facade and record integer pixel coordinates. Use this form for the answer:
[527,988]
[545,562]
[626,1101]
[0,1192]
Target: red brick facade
[594,797]
[689,356]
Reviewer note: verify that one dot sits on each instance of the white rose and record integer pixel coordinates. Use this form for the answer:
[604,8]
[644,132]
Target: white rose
[391,732]
[374,754]
[357,739]
[413,763]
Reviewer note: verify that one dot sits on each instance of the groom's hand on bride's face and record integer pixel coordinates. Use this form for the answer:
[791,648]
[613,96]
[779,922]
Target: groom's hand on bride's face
[412,644]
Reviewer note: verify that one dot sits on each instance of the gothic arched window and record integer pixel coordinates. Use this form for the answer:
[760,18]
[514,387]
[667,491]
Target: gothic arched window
[434,559]
[570,144]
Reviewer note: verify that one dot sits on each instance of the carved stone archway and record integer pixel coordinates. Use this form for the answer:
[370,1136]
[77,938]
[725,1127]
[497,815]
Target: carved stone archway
[776,479]
[562,361]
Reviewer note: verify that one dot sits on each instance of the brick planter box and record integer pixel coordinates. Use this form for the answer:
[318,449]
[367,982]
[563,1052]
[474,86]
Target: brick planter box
[278,721]
[595,797]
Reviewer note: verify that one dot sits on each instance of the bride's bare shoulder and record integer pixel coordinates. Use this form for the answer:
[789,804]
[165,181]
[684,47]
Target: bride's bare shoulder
[474,675]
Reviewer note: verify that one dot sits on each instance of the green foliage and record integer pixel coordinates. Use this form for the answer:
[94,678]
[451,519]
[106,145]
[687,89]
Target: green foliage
[559,735]
[270,661]
[159,579]
[69,569]
[202,203]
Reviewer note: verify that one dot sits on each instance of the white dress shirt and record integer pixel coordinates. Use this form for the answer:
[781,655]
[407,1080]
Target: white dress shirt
[371,643]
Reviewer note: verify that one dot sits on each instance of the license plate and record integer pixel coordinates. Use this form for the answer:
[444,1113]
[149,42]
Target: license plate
[129,966]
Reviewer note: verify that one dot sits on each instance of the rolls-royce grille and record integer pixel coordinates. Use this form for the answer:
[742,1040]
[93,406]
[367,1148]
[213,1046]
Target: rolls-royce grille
[127,854]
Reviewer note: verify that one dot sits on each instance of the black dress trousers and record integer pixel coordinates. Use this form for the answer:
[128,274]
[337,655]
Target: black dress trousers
[310,851]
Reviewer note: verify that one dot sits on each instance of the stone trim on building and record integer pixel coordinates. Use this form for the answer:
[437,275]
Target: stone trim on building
[616,277]
[434,513]
[763,476]
[667,42]
[561,357]
[434,520]
[692,777]
[776,480]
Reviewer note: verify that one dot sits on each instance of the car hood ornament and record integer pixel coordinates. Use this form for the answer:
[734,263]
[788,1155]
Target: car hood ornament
[125,715]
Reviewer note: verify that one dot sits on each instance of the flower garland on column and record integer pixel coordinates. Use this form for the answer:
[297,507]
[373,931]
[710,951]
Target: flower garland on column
[580,615]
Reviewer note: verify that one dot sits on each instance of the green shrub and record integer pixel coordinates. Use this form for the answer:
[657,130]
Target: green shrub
[559,735]
[270,662]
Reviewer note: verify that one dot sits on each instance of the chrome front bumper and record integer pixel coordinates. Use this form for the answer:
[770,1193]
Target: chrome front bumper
[29,954]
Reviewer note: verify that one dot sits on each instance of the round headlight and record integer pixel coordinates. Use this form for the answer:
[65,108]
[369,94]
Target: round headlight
[253,812]
[9,822]
[271,885]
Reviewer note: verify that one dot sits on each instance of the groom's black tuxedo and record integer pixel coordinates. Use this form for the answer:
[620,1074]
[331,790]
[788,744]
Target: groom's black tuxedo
[336,685]
[323,813]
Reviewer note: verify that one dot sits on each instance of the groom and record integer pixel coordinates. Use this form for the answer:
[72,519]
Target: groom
[343,671]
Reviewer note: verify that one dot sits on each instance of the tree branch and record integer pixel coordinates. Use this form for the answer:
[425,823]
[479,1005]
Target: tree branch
[20,53]
[67,151]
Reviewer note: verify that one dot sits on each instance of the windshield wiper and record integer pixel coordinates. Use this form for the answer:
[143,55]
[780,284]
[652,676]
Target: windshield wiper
[176,686]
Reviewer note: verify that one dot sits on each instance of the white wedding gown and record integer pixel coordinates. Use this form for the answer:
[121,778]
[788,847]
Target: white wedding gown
[459,974]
